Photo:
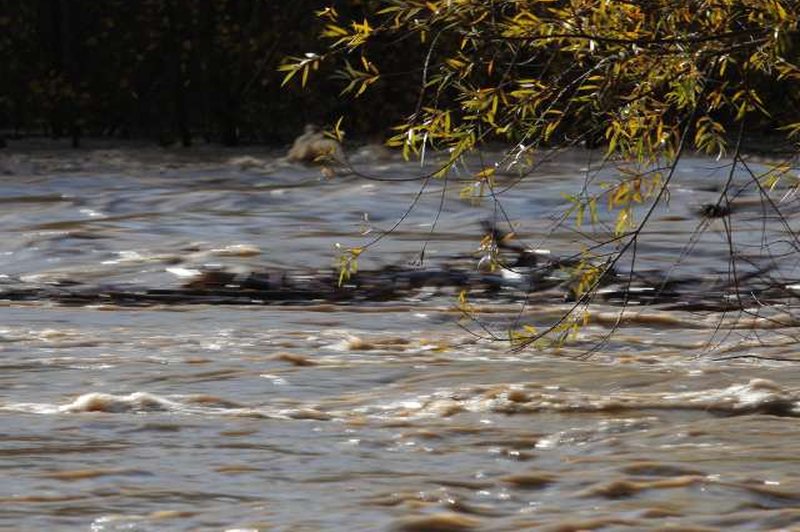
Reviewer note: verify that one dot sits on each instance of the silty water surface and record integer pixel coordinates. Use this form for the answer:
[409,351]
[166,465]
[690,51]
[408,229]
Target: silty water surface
[362,417]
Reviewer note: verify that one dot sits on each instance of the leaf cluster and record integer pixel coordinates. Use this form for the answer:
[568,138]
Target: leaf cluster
[538,72]
[648,80]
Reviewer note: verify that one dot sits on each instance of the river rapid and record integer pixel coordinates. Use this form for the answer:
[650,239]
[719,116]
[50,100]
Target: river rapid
[371,416]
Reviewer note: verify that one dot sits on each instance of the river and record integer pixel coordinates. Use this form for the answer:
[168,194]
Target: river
[366,416]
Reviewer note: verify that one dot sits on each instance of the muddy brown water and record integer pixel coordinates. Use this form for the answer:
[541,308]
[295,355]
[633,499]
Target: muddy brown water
[365,417]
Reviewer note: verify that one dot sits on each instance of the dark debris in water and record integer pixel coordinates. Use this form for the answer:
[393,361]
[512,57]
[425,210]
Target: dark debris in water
[715,210]
[518,279]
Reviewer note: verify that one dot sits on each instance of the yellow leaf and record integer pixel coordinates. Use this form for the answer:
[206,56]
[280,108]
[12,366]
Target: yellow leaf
[485,173]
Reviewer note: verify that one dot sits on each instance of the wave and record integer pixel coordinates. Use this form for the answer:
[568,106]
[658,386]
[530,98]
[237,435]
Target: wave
[758,396]
[144,402]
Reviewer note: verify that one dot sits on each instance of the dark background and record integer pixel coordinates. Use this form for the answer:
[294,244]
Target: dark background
[180,71]
[193,71]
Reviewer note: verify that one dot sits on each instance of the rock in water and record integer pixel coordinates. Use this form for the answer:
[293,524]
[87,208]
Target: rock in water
[313,146]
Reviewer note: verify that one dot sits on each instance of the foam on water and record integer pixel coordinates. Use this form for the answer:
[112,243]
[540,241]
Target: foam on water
[756,396]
